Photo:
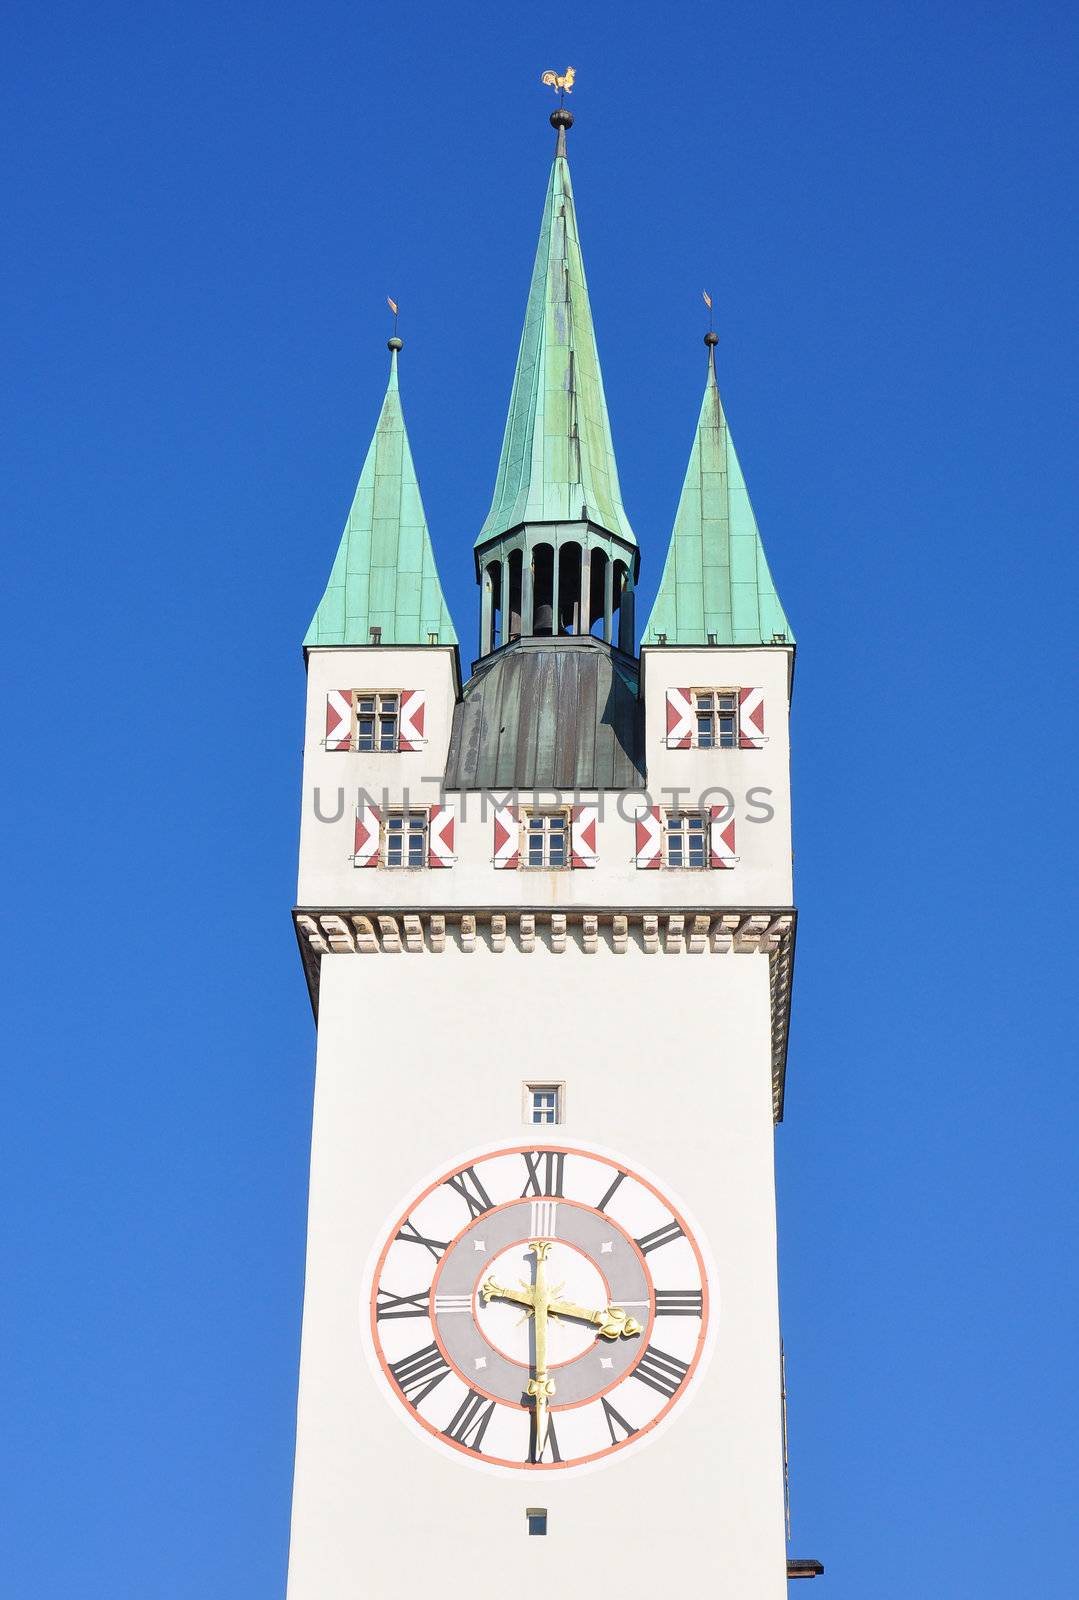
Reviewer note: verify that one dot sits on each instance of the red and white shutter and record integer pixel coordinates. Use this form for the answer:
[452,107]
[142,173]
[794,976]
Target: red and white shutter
[583,836]
[507,838]
[722,854]
[339,719]
[410,734]
[680,725]
[368,819]
[440,837]
[750,719]
[649,838]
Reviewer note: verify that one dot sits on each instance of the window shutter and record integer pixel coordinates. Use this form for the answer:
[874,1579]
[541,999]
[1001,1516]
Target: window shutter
[583,836]
[339,720]
[649,838]
[413,712]
[440,828]
[722,854]
[751,719]
[368,819]
[507,838]
[680,727]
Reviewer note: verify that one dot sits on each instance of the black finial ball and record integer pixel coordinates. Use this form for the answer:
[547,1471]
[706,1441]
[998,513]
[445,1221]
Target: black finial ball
[561,118]
[395,343]
[711,338]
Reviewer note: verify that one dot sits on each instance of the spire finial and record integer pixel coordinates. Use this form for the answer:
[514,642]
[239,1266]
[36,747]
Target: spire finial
[561,119]
[393,342]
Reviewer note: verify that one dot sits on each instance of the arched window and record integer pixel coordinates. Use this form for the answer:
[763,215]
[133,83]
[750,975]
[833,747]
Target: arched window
[569,588]
[513,599]
[597,589]
[543,589]
[625,606]
[494,578]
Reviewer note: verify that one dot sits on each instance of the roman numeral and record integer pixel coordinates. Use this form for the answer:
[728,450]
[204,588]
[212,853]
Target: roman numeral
[544,1172]
[447,1304]
[679,1303]
[388,1306]
[614,1421]
[469,1423]
[544,1219]
[411,1235]
[469,1187]
[419,1373]
[550,1449]
[610,1192]
[660,1236]
[660,1371]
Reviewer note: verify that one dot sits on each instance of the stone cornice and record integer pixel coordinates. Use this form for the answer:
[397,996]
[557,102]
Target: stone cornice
[688,931]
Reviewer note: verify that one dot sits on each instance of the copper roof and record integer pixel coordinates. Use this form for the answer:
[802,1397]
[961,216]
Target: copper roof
[548,713]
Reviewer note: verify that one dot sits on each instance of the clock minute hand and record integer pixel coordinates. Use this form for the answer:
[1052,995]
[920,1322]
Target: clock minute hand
[613,1323]
[534,1298]
[540,1385]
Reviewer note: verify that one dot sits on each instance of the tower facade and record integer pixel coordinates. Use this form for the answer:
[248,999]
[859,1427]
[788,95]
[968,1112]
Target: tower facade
[546,918]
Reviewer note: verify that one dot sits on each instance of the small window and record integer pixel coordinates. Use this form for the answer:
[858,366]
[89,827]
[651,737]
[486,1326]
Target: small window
[376,720]
[546,839]
[716,713]
[537,1519]
[543,1102]
[685,839]
[404,839]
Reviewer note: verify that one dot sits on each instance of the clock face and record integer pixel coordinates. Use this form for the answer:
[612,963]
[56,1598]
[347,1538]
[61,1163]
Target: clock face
[539,1307]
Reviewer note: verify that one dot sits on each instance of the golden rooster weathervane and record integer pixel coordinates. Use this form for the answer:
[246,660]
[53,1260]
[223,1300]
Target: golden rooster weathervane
[562,82]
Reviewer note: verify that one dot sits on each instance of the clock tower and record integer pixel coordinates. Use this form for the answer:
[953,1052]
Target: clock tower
[546,918]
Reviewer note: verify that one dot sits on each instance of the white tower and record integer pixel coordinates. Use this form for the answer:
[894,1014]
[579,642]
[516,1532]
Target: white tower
[546,919]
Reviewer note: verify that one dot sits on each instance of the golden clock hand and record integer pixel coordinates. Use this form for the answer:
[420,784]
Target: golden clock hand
[613,1323]
[540,1385]
[490,1290]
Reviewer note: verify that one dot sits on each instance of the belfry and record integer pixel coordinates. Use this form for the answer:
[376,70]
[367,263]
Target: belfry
[547,924]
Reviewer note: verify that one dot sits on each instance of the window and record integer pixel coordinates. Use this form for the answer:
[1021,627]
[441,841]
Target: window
[537,1519]
[716,713]
[546,839]
[543,1102]
[404,840]
[685,839]
[376,720]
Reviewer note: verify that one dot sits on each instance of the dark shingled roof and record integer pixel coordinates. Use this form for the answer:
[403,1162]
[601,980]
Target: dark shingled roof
[549,714]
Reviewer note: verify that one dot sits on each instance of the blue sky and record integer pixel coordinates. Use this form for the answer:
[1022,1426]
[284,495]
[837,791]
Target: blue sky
[206,206]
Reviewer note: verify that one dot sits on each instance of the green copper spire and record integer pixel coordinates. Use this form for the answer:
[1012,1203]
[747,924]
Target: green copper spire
[384,575]
[557,463]
[716,579]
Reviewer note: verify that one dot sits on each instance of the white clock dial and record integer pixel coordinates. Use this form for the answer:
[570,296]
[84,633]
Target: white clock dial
[539,1307]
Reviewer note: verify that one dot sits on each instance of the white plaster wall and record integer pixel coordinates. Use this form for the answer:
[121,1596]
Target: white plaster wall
[762,876]
[420,1061]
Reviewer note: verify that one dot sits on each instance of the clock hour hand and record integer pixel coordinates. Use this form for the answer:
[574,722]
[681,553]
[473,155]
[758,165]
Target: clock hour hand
[613,1323]
[491,1290]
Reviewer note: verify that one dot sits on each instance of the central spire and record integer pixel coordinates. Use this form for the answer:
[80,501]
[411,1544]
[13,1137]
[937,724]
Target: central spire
[557,484]
[557,461]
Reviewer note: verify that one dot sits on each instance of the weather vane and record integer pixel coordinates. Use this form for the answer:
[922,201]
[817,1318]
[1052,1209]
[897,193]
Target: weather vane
[562,82]
[711,338]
